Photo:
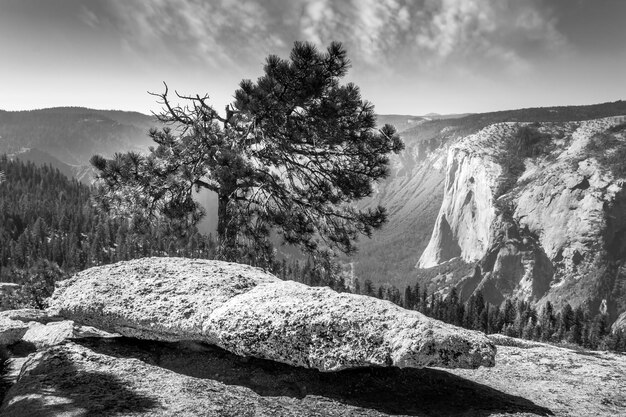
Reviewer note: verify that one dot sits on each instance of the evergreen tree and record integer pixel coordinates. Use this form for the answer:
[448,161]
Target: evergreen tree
[576,333]
[478,320]
[416,296]
[294,151]
[408,298]
[547,322]
[599,329]
[508,316]
[368,288]
[565,321]
[357,286]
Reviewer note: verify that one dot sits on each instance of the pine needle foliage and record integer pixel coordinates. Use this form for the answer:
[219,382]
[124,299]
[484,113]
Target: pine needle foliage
[293,153]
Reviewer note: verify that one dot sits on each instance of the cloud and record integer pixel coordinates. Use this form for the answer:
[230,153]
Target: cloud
[88,17]
[220,33]
[379,34]
[432,33]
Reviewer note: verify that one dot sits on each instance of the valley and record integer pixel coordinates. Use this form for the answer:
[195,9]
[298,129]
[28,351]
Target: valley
[434,237]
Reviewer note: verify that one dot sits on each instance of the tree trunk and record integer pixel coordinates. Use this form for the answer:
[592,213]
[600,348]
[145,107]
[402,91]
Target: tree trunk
[226,231]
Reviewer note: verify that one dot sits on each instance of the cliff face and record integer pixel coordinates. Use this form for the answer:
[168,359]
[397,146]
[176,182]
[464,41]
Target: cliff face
[412,196]
[472,178]
[541,209]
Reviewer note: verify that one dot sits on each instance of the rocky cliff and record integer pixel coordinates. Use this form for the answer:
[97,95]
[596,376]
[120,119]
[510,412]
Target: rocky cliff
[540,208]
[414,191]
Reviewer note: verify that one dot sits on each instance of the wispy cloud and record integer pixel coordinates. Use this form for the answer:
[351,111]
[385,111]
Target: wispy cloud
[422,34]
[220,33]
[433,32]
[88,17]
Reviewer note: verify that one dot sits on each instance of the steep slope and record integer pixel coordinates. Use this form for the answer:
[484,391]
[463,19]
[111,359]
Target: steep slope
[412,195]
[541,209]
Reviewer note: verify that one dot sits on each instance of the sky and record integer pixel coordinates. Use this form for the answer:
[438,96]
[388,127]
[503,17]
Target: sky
[408,57]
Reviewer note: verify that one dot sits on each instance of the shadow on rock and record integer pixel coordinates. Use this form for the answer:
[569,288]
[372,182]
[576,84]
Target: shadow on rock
[417,392]
[62,389]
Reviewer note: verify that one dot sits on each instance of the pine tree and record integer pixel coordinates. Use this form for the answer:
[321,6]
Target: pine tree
[478,322]
[368,288]
[599,329]
[509,313]
[293,153]
[547,321]
[416,296]
[576,333]
[408,298]
[565,321]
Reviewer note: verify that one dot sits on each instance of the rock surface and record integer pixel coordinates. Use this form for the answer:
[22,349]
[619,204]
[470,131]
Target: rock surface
[46,335]
[252,313]
[467,211]
[319,328]
[568,382]
[620,324]
[39,330]
[11,331]
[29,314]
[544,219]
[127,377]
[154,298]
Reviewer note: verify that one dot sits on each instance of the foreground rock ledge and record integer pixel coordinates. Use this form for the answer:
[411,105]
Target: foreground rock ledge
[128,377]
[252,313]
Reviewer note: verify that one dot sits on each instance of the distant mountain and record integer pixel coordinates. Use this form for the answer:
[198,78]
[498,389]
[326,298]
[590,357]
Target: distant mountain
[400,122]
[437,116]
[73,134]
[406,122]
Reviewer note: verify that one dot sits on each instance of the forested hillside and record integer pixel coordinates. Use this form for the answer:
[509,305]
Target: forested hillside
[48,228]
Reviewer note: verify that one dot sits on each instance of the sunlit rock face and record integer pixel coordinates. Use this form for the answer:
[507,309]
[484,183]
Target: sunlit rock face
[467,212]
[544,218]
[620,324]
[252,313]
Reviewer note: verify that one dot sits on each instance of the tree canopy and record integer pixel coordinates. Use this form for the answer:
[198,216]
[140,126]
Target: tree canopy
[293,153]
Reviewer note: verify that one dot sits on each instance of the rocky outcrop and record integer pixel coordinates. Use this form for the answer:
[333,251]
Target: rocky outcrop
[620,324]
[540,208]
[252,313]
[125,377]
[11,331]
[15,323]
[41,336]
[39,330]
[473,175]
[28,315]
[319,328]
[154,298]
